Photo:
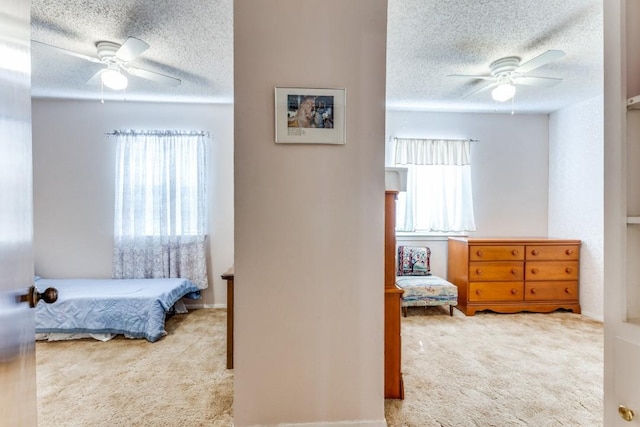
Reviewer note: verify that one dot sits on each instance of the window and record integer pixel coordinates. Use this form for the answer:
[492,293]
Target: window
[160,205]
[160,184]
[438,196]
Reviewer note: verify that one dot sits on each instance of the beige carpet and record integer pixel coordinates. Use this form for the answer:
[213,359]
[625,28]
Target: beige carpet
[180,380]
[487,370]
[499,370]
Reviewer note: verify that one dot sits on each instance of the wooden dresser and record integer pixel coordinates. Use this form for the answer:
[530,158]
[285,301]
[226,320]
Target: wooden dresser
[511,275]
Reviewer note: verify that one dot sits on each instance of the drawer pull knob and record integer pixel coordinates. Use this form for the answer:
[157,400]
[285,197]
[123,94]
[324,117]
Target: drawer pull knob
[569,252]
[534,271]
[515,252]
[514,271]
[567,290]
[480,253]
[479,272]
[626,413]
[534,291]
[569,270]
[535,252]
[514,291]
[478,291]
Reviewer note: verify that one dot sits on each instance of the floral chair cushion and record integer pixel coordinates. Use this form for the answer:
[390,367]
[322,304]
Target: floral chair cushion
[427,290]
[414,261]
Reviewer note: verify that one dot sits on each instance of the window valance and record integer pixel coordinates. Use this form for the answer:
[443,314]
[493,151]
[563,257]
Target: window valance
[414,151]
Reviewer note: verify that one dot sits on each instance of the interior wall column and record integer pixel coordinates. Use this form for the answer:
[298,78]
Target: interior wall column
[309,218]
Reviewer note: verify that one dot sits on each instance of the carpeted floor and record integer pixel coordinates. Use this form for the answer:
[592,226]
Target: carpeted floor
[501,370]
[486,370]
[180,380]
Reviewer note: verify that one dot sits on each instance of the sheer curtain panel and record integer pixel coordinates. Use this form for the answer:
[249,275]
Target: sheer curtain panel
[438,196]
[160,205]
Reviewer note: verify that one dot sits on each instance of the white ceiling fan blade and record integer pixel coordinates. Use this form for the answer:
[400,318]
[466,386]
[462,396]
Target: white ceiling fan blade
[536,81]
[471,76]
[69,52]
[539,61]
[156,77]
[96,78]
[131,48]
[480,89]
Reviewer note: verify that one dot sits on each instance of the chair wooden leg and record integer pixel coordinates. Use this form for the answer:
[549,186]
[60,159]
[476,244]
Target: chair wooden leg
[404,311]
[450,310]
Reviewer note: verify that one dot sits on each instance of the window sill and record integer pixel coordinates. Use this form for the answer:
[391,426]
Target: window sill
[409,236]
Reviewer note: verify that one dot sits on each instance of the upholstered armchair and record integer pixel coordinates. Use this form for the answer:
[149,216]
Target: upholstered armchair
[420,287]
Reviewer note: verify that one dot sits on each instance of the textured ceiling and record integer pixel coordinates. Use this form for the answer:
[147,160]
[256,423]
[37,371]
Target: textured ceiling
[427,40]
[189,39]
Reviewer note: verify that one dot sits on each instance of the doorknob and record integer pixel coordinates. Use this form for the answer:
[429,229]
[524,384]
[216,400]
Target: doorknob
[626,413]
[32,296]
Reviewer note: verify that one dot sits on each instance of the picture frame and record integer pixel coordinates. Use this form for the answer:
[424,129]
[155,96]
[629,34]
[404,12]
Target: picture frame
[310,115]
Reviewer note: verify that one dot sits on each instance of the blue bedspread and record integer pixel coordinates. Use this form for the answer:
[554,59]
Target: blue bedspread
[134,307]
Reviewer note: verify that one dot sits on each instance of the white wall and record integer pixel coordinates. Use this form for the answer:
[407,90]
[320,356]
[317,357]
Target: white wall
[74,175]
[73,180]
[309,219]
[510,168]
[576,192]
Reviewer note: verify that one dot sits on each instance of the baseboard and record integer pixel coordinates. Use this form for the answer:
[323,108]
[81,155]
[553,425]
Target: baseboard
[197,306]
[592,316]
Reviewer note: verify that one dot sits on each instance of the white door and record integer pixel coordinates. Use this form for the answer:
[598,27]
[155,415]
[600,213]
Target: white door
[622,214]
[17,351]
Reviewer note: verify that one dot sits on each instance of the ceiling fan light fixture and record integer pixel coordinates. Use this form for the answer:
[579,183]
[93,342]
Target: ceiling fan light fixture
[114,79]
[503,92]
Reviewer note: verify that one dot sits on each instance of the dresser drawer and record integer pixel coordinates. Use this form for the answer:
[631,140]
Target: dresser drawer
[496,291]
[552,253]
[496,253]
[552,270]
[496,270]
[560,290]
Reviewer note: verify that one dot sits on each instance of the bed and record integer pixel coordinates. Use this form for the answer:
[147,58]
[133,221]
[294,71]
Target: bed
[103,308]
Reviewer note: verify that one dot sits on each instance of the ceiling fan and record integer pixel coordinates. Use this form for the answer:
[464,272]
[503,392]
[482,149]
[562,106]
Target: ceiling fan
[506,73]
[115,59]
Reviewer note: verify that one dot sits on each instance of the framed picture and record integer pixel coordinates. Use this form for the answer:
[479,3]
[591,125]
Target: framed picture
[310,116]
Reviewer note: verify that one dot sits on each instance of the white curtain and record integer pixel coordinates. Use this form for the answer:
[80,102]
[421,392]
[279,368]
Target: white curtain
[160,205]
[438,196]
